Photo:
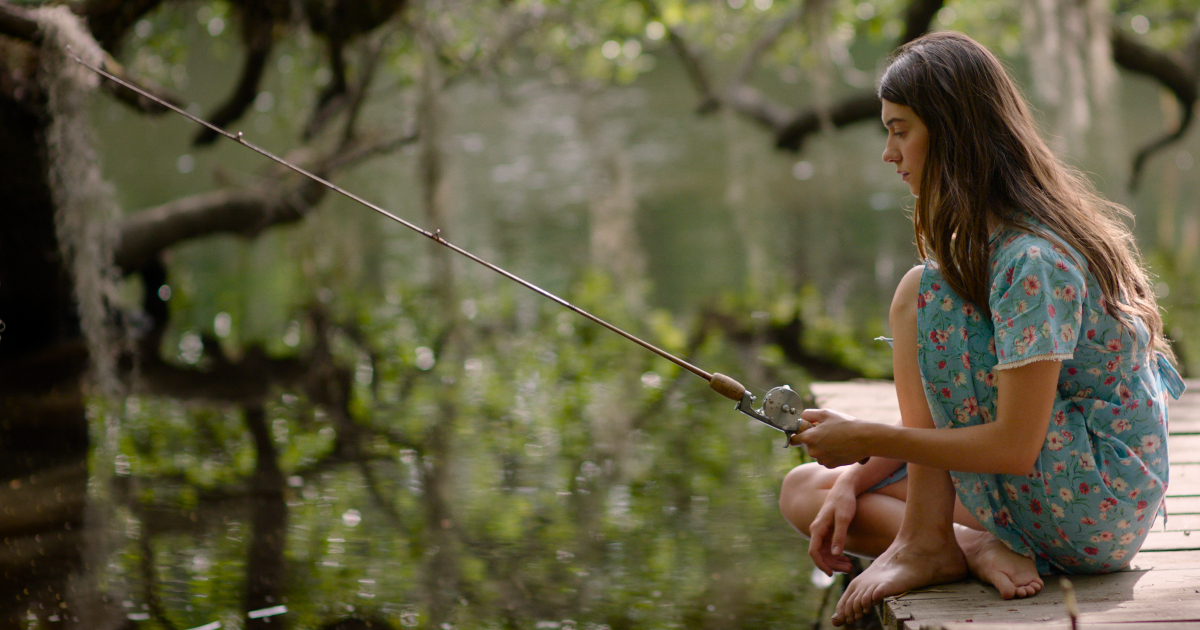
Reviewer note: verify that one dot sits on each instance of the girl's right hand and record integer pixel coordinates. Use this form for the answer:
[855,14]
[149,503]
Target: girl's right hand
[827,540]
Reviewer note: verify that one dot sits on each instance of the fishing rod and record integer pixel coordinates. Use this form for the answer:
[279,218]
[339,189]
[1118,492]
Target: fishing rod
[781,406]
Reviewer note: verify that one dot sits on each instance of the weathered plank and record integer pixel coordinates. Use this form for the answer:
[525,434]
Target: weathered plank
[1159,595]
[1148,559]
[1182,504]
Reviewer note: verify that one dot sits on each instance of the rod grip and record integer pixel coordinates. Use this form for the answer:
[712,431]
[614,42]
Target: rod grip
[727,387]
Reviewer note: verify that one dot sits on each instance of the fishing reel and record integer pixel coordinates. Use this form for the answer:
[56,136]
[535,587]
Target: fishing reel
[780,410]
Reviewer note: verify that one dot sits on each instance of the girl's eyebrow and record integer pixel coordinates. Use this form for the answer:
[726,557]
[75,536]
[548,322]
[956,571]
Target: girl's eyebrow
[893,120]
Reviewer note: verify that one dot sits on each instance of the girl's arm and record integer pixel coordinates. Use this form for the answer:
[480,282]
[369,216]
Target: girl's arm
[862,477]
[1008,445]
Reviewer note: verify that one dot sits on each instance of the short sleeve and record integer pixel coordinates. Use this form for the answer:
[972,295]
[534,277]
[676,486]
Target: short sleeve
[1036,302]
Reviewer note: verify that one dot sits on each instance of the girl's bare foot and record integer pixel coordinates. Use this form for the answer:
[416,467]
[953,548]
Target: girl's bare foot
[904,566]
[993,562]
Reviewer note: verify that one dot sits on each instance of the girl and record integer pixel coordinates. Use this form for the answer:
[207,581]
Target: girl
[1029,360]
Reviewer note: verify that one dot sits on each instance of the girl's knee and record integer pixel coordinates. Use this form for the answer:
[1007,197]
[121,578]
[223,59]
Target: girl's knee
[802,494]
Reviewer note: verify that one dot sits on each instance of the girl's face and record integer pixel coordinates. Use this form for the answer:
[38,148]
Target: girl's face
[907,143]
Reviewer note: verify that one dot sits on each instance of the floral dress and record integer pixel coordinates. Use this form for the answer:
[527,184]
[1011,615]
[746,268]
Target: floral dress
[1102,473]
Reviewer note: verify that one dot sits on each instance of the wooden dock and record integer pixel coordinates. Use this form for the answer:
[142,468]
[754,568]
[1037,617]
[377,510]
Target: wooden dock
[1160,590]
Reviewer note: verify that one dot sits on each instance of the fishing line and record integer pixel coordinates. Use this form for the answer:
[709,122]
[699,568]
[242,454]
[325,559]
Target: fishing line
[781,406]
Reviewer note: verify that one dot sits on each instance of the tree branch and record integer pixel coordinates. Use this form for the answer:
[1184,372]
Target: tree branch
[692,65]
[862,106]
[19,23]
[245,212]
[1176,73]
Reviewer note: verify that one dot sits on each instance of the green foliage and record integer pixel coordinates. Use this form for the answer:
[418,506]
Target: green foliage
[557,472]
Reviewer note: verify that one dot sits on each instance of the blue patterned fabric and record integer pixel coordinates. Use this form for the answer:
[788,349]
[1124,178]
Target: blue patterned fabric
[1100,478]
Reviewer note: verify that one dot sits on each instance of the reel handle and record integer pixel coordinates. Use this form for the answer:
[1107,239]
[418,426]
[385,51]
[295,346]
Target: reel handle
[727,387]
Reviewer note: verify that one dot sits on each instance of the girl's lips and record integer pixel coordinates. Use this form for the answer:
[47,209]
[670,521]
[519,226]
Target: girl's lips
[903,176]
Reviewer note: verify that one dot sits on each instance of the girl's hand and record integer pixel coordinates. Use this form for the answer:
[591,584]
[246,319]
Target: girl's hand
[833,439]
[828,530]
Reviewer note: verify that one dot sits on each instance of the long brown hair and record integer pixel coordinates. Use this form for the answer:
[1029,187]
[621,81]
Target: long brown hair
[985,157]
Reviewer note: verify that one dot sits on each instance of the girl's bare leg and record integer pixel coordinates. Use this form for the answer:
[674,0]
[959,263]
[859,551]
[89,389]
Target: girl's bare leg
[926,550]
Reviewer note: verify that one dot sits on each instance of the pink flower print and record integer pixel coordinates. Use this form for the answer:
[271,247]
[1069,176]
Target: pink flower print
[963,333]
[1126,538]
[941,365]
[939,336]
[1087,520]
[1050,310]
[1029,335]
[1034,252]
[1150,443]
[1068,437]
[1087,462]
[947,304]
[1022,306]
[1003,517]
[921,300]
[977,488]
[1009,322]
[1068,293]
[1106,536]
[1059,466]
[1065,494]
[1133,494]
[1008,275]
[1091,551]
[1025,488]
[1114,345]
[968,309]
[1123,524]
[1124,393]
[1091,334]
[1054,441]
[1109,380]
[1083,488]
[1066,333]
[1112,366]
[1118,554]
[1035,506]
[1031,284]
[1060,417]
[946,392]
[971,405]
[935,286]
[966,359]
[960,379]
[992,348]
[1011,491]
[983,514]
[1062,266]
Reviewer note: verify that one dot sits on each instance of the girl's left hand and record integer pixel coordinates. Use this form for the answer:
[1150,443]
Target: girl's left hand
[833,439]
